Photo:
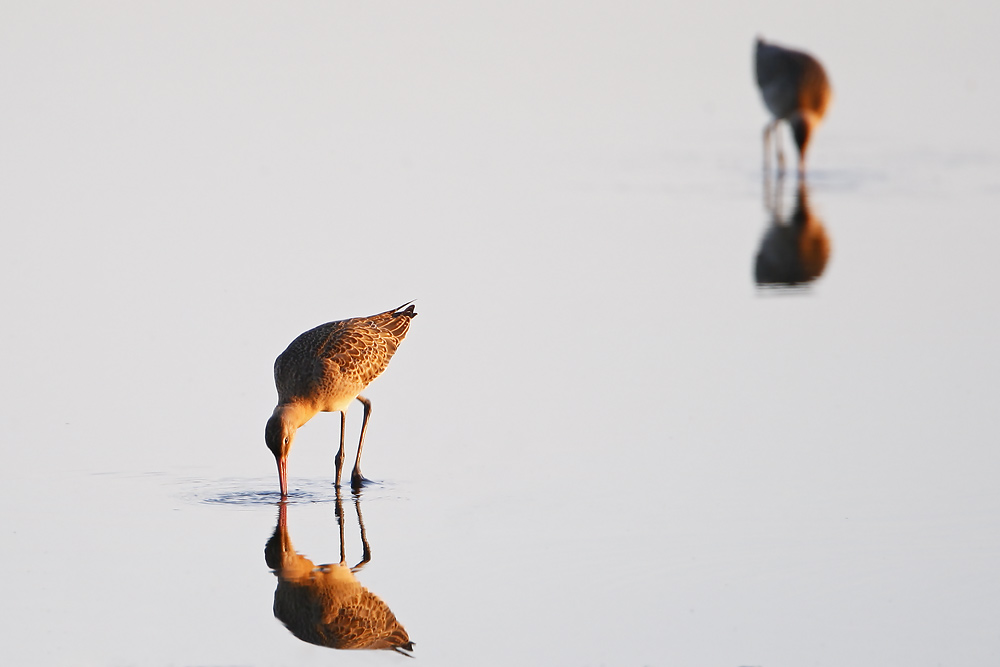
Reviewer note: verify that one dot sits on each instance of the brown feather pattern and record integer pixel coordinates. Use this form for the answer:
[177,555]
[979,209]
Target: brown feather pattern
[339,359]
[791,81]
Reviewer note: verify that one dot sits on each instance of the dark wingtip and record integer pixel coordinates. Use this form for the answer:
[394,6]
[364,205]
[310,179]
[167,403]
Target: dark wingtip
[404,310]
[404,649]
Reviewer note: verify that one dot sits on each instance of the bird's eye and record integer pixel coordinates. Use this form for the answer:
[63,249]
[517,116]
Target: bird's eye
[286,441]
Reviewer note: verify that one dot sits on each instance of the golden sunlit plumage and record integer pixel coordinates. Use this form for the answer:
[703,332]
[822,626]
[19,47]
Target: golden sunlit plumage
[324,370]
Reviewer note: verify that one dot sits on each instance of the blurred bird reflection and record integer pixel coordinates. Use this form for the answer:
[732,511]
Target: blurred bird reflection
[326,605]
[795,249]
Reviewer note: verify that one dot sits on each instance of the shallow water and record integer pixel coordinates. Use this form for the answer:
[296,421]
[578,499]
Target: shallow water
[602,441]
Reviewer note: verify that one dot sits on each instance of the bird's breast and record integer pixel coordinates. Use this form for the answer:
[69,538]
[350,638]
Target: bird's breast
[336,391]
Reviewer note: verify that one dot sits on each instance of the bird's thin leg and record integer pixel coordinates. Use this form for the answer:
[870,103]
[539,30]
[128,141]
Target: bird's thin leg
[367,556]
[357,479]
[340,453]
[779,195]
[767,146]
[777,149]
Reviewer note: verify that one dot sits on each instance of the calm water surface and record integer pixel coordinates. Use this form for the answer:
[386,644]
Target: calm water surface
[613,436]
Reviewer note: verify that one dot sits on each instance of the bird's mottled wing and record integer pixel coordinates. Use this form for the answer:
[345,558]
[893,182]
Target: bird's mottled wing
[790,80]
[362,347]
[778,74]
[300,367]
[355,350]
[337,356]
[365,622]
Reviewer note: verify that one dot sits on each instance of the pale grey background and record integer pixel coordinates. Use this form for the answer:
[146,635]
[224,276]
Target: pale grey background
[600,444]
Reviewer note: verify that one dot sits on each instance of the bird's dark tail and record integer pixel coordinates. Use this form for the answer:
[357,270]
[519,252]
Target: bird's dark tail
[404,649]
[403,310]
[397,320]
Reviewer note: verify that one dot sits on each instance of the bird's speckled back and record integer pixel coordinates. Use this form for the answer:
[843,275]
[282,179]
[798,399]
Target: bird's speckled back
[791,81]
[335,361]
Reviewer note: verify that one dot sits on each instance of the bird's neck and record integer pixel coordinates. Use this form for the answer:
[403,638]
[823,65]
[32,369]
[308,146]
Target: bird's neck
[295,413]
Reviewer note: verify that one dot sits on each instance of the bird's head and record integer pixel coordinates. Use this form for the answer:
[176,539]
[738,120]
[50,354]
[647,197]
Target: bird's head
[278,435]
[802,126]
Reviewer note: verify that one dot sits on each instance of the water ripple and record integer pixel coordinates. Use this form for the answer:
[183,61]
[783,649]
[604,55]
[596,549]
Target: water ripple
[258,492]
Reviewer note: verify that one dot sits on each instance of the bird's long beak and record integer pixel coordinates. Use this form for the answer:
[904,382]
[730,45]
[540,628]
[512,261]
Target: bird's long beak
[282,476]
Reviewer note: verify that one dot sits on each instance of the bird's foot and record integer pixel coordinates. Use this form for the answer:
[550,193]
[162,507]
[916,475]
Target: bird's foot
[360,481]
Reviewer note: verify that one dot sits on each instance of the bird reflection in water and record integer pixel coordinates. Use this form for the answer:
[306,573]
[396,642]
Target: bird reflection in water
[795,249]
[326,605]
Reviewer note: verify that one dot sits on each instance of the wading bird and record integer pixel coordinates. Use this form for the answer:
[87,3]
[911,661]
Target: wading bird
[324,370]
[795,89]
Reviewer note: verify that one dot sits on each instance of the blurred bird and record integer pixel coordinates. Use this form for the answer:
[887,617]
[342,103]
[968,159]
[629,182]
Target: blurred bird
[795,88]
[324,370]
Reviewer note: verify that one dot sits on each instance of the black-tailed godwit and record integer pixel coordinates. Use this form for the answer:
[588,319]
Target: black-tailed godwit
[324,370]
[795,89]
